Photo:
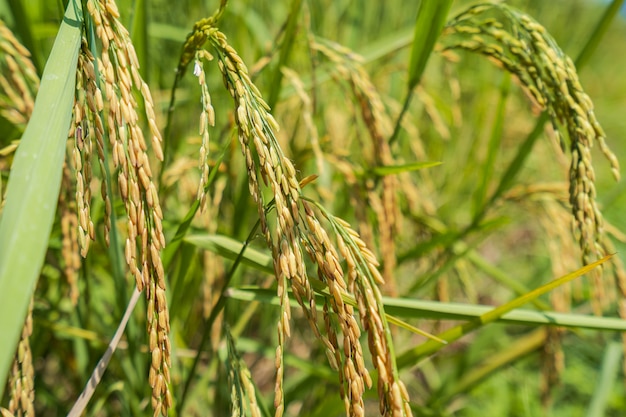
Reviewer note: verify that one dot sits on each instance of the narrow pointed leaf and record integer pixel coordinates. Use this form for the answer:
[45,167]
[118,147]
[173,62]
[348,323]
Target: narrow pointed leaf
[429,347]
[33,187]
[230,248]
[431,18]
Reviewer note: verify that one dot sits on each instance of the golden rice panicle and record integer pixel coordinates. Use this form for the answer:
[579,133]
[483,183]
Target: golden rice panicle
[354,375]
[307,115]
[119,68]
[69,233]
[525,49]
[21,385]
[86,126]
[364,281]
[383,202]
[207,117]
[18,79]
[256,129]
[298,229]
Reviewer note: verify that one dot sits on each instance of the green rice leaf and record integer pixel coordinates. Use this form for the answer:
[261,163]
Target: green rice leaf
[230,248]
[429,347]
[33,187]
[431,18]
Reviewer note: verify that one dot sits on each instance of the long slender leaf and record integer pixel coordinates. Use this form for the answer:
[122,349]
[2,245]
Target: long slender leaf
[230,249]
[33,187]
[608,374]
[431,18]
[409,308]
[490,316]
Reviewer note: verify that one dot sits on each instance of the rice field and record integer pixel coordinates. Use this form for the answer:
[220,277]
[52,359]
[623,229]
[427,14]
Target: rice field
[312,208]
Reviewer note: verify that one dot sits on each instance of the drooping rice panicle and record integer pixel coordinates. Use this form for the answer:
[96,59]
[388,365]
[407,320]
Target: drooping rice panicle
[307,116]
[70,251]
[118,68]
[363,281]
[373,112]
[21,386]
[296,230]
[207,118]
[523,47]
[87,126]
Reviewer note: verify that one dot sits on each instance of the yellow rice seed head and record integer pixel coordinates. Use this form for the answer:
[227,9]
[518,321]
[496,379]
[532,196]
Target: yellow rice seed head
[278,356]
[159,384]
[154,252]
[241,114]
[150,317]
[162,319]
[111,8]
[145,274]
[159,214]
[144,179]
[356,389]
[123,186]
[147,95]
[80,185]
[156,363]
[336,294]
[272,122]
[132,55]
[128,253]
[154,129]
[203,124]
[157,405]
[285,323]
[241,92]
[145,165]
[156,146]
[160,273]
[132,215]
[284,266]
[396,396]
[293,268]
[161,301]
[132,154]
[91,231]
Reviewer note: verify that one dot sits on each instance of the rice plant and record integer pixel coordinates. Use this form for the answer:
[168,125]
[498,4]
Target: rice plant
[243,215]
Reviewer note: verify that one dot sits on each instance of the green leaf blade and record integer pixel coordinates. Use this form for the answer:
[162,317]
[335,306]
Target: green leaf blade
[33,187]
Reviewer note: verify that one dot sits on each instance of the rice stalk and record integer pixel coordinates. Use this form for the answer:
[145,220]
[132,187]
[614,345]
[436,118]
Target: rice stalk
[520,45]
[118,67]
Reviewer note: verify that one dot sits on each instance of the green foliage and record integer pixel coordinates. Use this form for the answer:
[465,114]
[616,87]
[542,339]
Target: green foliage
[33,191]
